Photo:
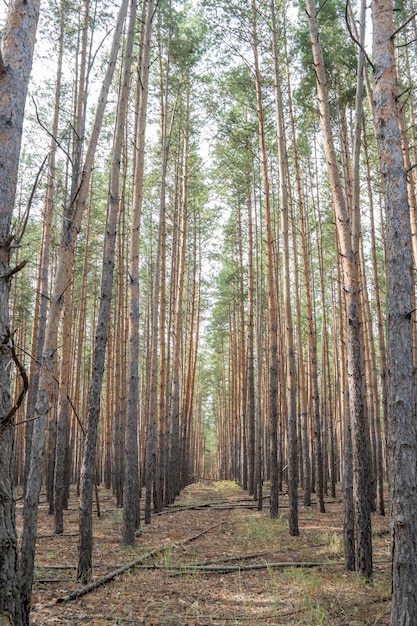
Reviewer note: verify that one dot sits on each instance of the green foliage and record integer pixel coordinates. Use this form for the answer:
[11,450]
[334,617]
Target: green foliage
[339,58]
[184,33]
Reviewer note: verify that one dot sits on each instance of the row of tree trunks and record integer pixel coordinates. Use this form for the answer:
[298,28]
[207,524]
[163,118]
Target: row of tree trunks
[131,513]
[271,285]
[354,352]
[269,427]
[103,318]
[63,279]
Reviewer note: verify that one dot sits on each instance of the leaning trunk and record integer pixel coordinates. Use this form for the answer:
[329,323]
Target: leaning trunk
[103,319]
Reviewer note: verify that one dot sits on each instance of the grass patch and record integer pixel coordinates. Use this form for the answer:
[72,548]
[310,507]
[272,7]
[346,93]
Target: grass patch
[226,485]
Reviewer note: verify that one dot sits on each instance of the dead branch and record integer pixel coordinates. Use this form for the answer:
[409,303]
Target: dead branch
[400,28]
[14,270]
[42,125]
[224,507]
[20,231]
[177,618]
[40,566]
[228,569]
[51,536]
[66,567]
[46,581]
[354,37]
[124,568]
[215,505]
[185,507]
[236,557]
[8,341]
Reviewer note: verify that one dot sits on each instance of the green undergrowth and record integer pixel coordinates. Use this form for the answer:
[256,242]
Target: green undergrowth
[324,595]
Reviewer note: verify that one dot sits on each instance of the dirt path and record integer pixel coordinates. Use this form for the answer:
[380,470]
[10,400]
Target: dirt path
[164,591]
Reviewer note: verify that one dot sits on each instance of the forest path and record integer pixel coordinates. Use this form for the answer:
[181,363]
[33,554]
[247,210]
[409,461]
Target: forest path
[231,532]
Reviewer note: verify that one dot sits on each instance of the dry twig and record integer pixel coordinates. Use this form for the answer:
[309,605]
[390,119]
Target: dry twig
[124,568]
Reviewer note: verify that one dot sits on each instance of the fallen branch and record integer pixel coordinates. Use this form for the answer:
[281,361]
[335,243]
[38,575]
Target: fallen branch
[187,507]
[222,507]
[45,581]
[55,535]
[41,566]
[214,506]
[238,557]
[178,618]
[227,569]
[242,503]
[124,568]
[65,567]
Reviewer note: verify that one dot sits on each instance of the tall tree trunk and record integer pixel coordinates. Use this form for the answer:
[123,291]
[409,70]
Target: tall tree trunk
[349,261]
[103,319]
[191,418]
[42,291]
[16,52]
[47,382]
[377,289]
[242,363]
[156,461]
[272,297]
[311,335]
[162,391]
[260,399]
[120,360]
[174,437]
[131,520]
[63,417]
[402,443]
[251,349]
[289,333]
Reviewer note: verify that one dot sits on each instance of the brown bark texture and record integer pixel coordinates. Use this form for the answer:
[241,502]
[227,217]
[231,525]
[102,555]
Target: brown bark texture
[271,287]
[131,485]
[16,53]
[401,410]
[363,533]
[90,442]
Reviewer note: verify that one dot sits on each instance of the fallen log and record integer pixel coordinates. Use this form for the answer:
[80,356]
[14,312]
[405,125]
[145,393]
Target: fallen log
[124,568]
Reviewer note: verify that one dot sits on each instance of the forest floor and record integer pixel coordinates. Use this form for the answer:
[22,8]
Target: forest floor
[227,530]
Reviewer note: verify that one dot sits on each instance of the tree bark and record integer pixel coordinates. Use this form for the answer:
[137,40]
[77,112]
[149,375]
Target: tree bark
[131,487]
[16,53]
[289,332]
[103,319]
[272,297]
[42,290]
[251,347]
[349,261]
[176,408]
[47,382]
[401,410]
